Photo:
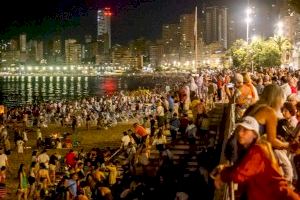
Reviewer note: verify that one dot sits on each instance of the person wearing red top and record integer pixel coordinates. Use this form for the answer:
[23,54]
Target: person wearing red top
[258,171]
[141,131]
[71,159]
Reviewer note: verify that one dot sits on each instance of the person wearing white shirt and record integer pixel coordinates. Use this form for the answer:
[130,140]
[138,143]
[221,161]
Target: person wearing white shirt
[285,87]
[125,140]
[3,159]
[160,141]
[38,133]
[20,146]
[160,114]
[44,158]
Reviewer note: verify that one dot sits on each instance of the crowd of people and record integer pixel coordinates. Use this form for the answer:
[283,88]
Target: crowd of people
[95,173]
[263,148]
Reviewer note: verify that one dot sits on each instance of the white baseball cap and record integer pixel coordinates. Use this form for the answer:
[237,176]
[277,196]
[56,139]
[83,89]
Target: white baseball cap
[249,123]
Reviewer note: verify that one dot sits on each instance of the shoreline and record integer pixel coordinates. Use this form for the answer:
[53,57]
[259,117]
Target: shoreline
[95,75]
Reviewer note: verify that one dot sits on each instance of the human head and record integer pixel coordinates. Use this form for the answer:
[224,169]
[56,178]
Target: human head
[44,151]
[288,110]
[3,168]
[33,164]
[274,79]
[21,168]
[42,166]
[293,98]
[246,77]
[239,80]
[135,125]
[74,176]
[247,131]
[272,96]
[34,153]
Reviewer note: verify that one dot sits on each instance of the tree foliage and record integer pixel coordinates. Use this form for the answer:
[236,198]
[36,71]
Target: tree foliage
[259,53]
[238,52]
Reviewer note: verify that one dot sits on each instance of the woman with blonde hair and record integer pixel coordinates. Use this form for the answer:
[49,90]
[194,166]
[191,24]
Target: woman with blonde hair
[267,111]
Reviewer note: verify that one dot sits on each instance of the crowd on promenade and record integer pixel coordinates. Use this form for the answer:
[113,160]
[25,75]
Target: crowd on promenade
[267,109]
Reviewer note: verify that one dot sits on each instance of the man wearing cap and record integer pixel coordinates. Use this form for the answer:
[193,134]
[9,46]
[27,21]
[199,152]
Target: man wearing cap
[257,169]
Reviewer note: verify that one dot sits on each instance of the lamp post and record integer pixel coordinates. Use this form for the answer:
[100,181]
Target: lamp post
[248,21]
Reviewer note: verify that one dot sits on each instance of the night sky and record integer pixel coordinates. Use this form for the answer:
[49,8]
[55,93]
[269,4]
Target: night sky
[75,18]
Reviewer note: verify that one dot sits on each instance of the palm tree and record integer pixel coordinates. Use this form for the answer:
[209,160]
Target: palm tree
[282,43]
[284,46]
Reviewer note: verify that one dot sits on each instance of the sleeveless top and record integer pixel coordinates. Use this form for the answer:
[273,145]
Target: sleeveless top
[24,182]
[251,111]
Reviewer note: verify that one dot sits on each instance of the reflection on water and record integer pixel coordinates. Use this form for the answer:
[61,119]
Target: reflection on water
[18,90]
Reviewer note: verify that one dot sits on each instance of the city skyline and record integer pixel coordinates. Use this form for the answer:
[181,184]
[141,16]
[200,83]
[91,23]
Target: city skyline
[129,20]
[175,41]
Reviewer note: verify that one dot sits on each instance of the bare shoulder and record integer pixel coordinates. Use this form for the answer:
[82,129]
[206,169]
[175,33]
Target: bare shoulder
[265,113]
[266,110]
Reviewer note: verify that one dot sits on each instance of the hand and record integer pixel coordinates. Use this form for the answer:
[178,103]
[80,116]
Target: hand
[293,146]
[217,171]
[218,182]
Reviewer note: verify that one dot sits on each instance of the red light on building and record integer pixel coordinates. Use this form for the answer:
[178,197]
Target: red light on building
[107,12]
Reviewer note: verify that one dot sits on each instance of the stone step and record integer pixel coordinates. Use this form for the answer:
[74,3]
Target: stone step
[191,168]
[181,146]
[177,155]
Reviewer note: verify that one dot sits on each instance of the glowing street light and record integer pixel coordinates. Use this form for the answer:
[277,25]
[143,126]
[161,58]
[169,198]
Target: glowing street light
[254,38]
[279,28]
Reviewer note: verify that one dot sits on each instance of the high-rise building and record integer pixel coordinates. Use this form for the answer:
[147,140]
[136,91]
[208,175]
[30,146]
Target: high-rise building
[104,28]
[232,32]
[156,54]
[56,53]
[13,45]
[87,39]
[23,42]
[56,46]
[291,31]
[171,38]
[216,25]
[282,8]
[223,27]
[31,49]
[72,52]
[211,25]
[10,57]
[40,51]
[187,25]
[187,37]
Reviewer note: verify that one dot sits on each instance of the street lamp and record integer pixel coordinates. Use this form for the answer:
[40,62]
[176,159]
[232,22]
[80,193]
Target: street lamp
[279,29]
[254,38]
[248,21]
